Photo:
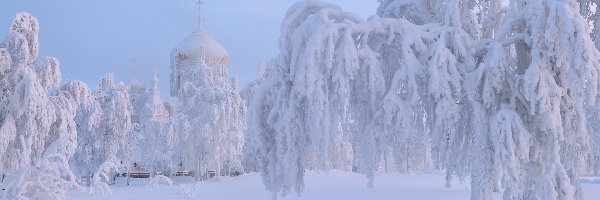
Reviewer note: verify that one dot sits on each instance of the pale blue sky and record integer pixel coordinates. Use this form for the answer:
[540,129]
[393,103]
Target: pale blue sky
[92,37]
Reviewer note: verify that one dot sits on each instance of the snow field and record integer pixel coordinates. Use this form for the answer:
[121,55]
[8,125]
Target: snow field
[319,186]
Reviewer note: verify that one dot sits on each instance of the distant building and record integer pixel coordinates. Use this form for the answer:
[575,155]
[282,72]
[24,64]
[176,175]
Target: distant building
[148,104]
[198,59]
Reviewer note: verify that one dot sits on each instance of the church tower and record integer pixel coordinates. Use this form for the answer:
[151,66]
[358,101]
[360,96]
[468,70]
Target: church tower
[199,59]
[207,103]
[158,111]
[138,96]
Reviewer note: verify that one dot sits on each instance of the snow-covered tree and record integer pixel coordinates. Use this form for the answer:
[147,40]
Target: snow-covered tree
[22,94]
[371,88]
[529,92]
[105,135]
[252,143]
[476,88]
[210,127]
[533,73]
[114,138]
[589,10]
[25,110]
[37,128]
[299,113]
[88,116]
[7,124]
[157,149]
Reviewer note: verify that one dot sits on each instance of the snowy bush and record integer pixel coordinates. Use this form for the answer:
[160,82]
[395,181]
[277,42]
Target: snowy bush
[189,190]
[101,178]
[157,180]
[49,178]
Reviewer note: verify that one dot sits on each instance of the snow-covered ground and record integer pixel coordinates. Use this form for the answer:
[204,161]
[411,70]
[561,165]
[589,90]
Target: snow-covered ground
[319,185]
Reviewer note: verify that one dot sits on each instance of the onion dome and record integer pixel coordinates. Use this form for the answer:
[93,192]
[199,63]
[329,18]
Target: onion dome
[200,46]
[135,84]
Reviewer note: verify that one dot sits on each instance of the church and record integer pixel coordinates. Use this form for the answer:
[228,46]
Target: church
[204,111]
[198,59]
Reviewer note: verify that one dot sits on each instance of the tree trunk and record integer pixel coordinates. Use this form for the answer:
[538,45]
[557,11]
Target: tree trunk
[385,161]
[128,175]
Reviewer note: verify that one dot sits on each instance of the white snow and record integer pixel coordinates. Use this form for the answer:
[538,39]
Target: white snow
[319,185]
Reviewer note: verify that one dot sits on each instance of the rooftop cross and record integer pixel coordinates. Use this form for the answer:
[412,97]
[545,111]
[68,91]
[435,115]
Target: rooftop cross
[155,80]
[201,20]
[135,70]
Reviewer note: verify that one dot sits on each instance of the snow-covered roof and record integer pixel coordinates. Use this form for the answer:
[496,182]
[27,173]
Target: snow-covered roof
[154,80]
[200,45]
[136,84]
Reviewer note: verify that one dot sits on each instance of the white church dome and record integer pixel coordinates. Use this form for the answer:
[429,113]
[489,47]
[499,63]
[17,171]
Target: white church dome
[136,84]
[198,46]
[199,59]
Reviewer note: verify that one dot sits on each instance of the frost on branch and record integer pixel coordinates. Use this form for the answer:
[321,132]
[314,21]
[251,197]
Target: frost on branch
[23,38]
[510,141]
[5,62]
[592,17]
[49,73]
